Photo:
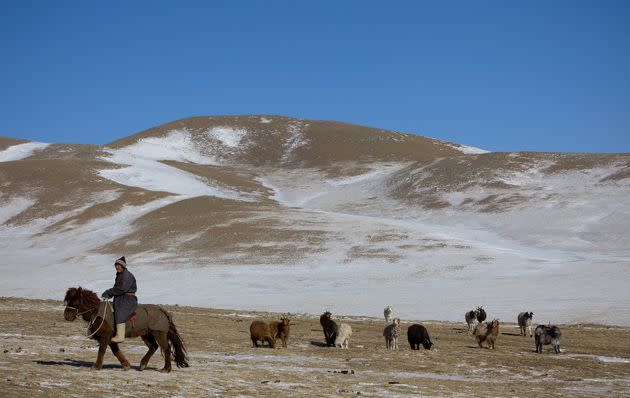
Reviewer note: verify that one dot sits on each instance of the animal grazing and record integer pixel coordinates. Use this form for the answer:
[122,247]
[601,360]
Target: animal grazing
[471,319]
[343,335]
[418,334]
[525,322]
[391,333]
[150,322]
[280,329]
[488,332]
[547,335]
[481,314]
[261,331]
[330,328]
[387,312]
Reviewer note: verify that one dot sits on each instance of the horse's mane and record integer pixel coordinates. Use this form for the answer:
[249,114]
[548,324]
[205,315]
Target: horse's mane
[89,298]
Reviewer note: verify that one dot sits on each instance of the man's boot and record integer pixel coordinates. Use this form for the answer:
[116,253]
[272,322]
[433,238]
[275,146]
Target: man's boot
[120,333]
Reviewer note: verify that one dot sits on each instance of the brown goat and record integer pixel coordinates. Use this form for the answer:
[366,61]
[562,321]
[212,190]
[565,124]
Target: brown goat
[260,330]
[280,329]
[488,332]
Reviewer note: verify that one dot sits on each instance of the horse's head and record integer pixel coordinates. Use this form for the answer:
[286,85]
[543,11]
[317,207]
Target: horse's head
[72,301]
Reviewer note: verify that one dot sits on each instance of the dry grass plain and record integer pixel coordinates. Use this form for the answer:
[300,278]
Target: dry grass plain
[43,355]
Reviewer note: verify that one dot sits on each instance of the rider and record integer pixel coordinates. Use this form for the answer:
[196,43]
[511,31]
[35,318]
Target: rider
[124,294]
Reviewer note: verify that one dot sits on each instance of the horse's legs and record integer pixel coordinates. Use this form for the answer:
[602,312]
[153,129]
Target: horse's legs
[101,353]
[116,351]
[149,340]
[166,349]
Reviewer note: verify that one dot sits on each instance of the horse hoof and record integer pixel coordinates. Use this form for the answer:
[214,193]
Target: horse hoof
[165,370]
[142,367]
[96,367]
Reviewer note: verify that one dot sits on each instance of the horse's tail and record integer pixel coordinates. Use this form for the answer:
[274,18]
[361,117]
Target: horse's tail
[179,350]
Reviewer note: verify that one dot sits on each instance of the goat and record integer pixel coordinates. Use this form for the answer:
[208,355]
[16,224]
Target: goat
[481,314]
[547,335]
[488,332]
[280,329]
[387,312]
[418,334]
[471,319]
[525,322]
[330,328]
[259,330]
[343,335]
[391,333]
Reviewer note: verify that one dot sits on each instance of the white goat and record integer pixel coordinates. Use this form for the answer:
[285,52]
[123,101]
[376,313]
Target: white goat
[525,322]
[343,335]
[388,313]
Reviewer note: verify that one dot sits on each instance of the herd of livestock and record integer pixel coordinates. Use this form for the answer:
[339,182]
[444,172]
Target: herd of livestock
[338,334]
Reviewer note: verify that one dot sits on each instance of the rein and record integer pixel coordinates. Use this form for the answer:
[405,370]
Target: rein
[107,303]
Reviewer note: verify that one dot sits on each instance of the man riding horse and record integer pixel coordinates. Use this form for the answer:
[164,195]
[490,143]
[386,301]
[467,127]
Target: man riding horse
[125,300]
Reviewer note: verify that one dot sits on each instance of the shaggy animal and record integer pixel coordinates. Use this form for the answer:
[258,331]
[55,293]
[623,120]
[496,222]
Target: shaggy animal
[152,323]
[330,328]
[343,335]
[547,335]
[481,314]
[260,331]
[280,329]
[418,334]
[488,332]
[387,312]
[471,319]
[525,322]
[391,333]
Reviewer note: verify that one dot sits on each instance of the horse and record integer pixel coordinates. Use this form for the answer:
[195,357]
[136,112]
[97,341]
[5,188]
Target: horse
[154,325]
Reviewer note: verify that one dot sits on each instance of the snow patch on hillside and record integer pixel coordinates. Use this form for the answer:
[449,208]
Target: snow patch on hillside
[227,136]
[468,150]
[144,169]
[295,140]
[21,151]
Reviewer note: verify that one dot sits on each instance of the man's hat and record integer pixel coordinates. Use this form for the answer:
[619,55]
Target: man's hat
[121,261]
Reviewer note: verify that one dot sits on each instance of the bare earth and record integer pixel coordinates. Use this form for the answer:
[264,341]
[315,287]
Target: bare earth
[43,355]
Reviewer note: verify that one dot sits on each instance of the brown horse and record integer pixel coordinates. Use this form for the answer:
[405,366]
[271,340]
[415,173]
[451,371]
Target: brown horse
[154,326]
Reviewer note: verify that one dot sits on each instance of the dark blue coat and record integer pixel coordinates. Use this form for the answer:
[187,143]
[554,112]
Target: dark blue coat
[124,305]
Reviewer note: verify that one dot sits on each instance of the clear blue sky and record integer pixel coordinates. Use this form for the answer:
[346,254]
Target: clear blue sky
[504,76]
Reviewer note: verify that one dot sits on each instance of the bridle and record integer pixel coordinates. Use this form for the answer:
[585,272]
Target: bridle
[107,303]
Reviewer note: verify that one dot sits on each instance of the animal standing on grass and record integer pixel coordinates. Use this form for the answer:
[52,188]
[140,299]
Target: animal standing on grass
[280,329]
[547,335]
[343,336]
[418,334]
[471,319]
[150,322]
[387,312]
[260,331]
[488,332]
[391,333]
[330,328]
[524,320]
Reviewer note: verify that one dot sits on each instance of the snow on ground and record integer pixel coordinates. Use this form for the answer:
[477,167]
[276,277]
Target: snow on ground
[21,151]
[144,169]
[228,136]
[435,265]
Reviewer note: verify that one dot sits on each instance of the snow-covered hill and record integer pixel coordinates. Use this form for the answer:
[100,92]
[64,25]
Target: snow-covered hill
[273,213]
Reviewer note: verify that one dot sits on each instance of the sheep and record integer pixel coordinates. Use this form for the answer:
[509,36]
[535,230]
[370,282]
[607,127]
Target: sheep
[481,314]
[391,333]
[418,334]
[488,332]
[525,322]
[280,329]
[343,335]
[387,312]
[471,319]
[259,330]
[330,328]
[548,335]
